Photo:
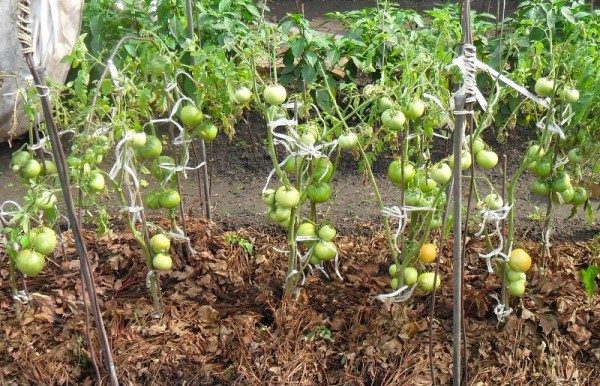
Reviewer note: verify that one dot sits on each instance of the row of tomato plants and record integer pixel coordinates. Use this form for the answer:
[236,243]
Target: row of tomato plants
[405,109]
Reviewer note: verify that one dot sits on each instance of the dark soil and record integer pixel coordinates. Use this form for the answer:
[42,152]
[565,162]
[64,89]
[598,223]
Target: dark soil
[225,322]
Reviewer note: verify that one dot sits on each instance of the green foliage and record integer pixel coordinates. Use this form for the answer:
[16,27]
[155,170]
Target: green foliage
[588,279]
[232,238]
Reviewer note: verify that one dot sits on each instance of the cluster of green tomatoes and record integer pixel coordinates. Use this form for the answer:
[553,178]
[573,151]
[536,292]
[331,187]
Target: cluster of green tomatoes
[426,281]
[160,245]
[322,248]
[35,246]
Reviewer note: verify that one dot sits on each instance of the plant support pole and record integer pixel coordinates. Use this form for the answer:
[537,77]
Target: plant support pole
[457,295]
[24,31]
[205,183]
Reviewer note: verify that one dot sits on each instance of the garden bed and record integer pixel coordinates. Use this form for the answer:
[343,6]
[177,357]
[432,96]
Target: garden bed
[225,321]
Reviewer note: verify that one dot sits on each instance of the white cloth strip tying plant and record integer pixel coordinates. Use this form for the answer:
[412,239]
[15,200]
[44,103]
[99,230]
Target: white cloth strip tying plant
[400,214]
[115,76]
[501,310]
[42,142]
[6,213]
[510,83]
[546,240]
[177,235]
[22,297]
[494,217]
[293,146]
[402,294]
[151,273]
[336,260]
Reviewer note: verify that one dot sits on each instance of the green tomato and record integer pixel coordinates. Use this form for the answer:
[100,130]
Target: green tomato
[31,169]
[308,139]
[393,270]
[46,200]
[319,192]
[169,199]
[426,184]
[410,276]
[96,183]
[535,152]
[275,94]
[574,156]
[395,283]
[544,87]
[43,240]
[426,281]
[281,214]
[385,103]
[322,169]
[493,201]
[160,243]
[327,232]
[580,196]
[542,168]
[415,109]
[477,146]
[157,68]
[486,159]
[190,116]
[287,196]
[561,182]
[138,140]
[515,276]
[570,95]
[152,200]
[540,188]
[392,119]
[412,197]
[48,168]
[30,262]
[347,141]
[307,229]
[441,173]
[564,197]
[242,95]
[268,196]
[209,132]
[19,159]
[517,288]
[162,262]
[152,148]
[291,163]
[325,250]
[396,172]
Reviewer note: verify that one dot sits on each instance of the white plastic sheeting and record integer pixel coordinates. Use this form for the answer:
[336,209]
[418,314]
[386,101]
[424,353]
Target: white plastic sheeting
[56,26]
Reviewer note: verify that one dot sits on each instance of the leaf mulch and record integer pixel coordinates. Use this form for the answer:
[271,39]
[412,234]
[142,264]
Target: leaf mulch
[225,322]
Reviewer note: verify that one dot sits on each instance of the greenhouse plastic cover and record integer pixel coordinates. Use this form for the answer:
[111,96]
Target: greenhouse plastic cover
[56,26]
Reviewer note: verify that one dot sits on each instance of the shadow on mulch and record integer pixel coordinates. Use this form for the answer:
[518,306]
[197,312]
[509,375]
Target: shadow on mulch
[225,322]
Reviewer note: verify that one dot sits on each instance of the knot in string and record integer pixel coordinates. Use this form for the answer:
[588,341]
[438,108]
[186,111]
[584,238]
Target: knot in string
[494,217]
[501,310]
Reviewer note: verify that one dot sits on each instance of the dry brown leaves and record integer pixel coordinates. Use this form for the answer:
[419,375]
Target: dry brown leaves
[224,321]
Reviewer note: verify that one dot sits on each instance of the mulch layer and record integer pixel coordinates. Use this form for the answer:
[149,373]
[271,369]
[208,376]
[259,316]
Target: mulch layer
[225,320]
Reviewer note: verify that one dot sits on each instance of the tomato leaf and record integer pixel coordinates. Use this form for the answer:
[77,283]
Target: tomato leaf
[588,279]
